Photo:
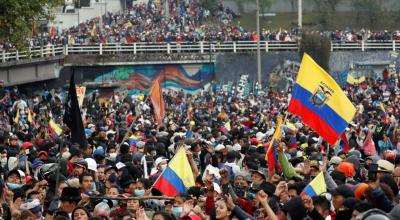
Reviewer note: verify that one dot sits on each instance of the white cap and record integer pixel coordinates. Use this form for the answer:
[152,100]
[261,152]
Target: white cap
[159,160]
[21,173]
[237,147]
[110,132]
[219,147]
[92,164]
[120,165]
[217,188]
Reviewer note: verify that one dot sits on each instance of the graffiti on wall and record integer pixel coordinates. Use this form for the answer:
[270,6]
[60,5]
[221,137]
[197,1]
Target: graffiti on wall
[188,78]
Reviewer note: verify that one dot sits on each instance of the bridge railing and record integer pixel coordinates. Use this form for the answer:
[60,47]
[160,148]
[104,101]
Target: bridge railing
[174,47]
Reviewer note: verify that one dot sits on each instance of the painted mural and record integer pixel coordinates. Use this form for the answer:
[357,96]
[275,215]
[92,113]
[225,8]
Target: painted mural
[188,78]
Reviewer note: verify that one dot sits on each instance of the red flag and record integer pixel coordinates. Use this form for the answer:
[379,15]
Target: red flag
[157,100]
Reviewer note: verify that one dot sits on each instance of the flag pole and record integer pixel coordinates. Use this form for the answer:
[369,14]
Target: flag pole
[59,165]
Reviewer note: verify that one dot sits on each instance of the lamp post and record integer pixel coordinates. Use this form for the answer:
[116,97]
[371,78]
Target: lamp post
[258,43]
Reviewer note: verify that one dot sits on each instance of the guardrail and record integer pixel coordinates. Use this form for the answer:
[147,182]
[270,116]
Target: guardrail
[197,47]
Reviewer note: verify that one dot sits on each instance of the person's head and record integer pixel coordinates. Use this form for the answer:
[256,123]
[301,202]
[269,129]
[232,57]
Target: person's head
[86,181]
[112,191]
[100,172]
[102,210]
[221,210]
[133,204]
[80,166]
[14,177]
[340,194]
[69,199]
[110,170]
[141,186]
[162,216]
[396,175]
[80,213]
[322,205]
[257,177]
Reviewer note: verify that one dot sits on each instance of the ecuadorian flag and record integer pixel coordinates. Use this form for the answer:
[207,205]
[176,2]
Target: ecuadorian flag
[320,102]
[316,186]
[54,129]
[177,177]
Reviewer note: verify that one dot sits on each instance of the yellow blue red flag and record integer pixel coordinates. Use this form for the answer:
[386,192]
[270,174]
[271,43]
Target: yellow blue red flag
[320,102]
[177,177]
[316,186]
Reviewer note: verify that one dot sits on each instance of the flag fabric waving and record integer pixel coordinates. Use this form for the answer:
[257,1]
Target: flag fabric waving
[73,117]
[320,102]
[54,129]
[177,177]
[271,156]
[157,99]
[316,186]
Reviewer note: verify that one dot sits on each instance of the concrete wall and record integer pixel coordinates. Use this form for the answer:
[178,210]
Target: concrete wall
[308,5]
[67,20]
[29,73]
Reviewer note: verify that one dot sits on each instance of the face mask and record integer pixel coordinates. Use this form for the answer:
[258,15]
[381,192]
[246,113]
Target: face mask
[114,202]
[13,186]
[3,161]
[113,156]
[139,192]
[163,166]
[177,211]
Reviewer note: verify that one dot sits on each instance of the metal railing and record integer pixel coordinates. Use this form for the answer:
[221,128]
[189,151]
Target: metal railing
[168,48]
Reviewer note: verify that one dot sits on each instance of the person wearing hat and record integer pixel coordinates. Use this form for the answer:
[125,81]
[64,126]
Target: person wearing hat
[79,167]
[70,197]
[14,180]
[160,164]
[128,184]
[339,195]
[34,206]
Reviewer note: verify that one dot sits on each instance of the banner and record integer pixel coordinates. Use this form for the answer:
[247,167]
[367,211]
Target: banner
[80,93]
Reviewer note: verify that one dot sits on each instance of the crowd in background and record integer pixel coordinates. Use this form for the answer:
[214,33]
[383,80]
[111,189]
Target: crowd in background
[228,162]
[187,21]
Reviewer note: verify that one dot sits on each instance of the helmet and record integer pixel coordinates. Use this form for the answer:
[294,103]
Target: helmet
[80,162]
[91,164]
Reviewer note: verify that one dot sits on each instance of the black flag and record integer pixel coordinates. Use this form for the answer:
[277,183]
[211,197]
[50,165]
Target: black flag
[72,116]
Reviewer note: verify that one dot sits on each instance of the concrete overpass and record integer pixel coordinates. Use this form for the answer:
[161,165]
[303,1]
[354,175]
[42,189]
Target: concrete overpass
[44,63]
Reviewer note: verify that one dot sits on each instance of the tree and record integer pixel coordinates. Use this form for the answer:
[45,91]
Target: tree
[318,47]
[264,4]
[209,4]
[19,17]
[371,9]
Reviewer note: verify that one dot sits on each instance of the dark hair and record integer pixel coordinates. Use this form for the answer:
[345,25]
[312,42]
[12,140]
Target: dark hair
[80,207]
[165,215]
[322,202]
[32,193]
[84,174]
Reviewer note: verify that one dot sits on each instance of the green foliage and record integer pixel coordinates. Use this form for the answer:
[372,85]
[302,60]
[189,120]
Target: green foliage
[370,10]
[264,4]
[318,47]
[18,18]
[209,4]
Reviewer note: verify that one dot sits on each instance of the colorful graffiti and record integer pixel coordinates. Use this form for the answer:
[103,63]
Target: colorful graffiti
[189,78]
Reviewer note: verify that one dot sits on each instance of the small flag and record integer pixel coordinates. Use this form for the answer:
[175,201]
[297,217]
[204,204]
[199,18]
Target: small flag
[54,129]
[344,143]
[271,155]
[177,177]
[226,128]
[30,116]
[17,117]
[316,186]
[320,102]
[157,99]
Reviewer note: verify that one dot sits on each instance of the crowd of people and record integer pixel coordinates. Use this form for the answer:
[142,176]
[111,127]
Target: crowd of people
[187,21]
[45,176]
